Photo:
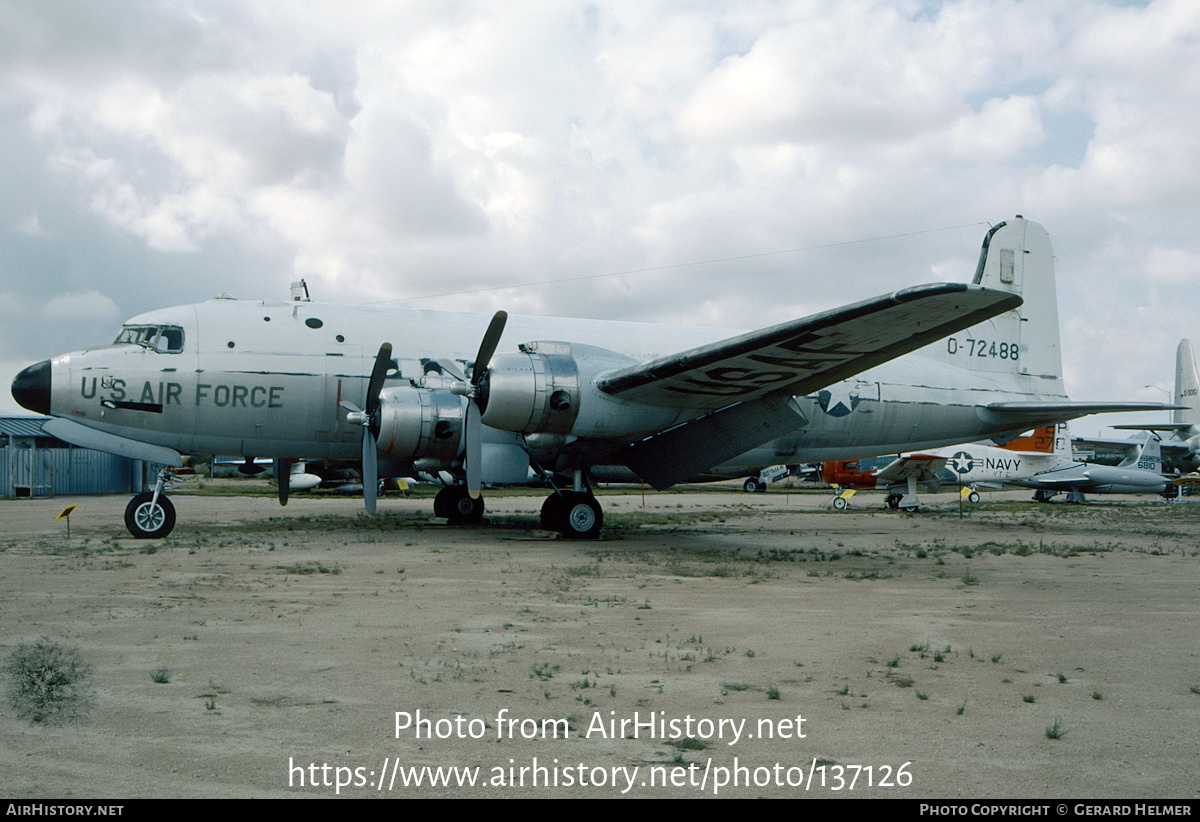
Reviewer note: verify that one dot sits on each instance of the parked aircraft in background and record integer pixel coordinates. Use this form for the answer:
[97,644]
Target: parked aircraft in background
[901,477]
[301,379]
[1183,444]
[1044,461]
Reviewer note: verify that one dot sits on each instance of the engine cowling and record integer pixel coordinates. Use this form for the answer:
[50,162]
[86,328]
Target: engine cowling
[549,389]
[535,391]
[1192,460]
[420,423]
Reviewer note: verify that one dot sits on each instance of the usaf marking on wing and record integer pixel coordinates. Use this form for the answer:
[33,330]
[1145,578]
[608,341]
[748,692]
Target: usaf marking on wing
[556,397]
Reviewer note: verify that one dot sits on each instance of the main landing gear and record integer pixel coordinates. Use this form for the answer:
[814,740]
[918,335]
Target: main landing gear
[150,515]
[574,514]
[457,506]
[896,503]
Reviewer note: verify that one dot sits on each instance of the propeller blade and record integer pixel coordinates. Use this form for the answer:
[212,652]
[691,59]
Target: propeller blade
[283,476]
[383,361]
[487,347]
[474,450]
[451,367]
[370,470]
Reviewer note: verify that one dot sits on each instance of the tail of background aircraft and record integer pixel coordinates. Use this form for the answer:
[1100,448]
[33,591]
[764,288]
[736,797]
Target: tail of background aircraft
[1187,386]
[1148,457]
[1021,347]
[1185,422]
[1040,440]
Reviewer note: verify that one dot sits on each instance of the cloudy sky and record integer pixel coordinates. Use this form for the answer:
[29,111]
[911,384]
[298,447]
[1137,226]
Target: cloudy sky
[705,163]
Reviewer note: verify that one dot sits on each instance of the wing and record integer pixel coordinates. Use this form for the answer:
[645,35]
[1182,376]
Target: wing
[921,466]
[804,355]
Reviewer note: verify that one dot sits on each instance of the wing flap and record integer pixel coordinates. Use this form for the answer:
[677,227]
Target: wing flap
[807,354]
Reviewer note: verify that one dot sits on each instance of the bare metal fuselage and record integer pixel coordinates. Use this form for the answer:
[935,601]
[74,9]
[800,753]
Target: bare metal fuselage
[266,379]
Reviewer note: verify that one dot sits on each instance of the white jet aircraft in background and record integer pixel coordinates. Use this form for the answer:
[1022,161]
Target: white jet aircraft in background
[1046,463]
[389,387]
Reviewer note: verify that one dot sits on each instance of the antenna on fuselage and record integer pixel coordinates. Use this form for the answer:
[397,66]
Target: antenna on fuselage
[300,292]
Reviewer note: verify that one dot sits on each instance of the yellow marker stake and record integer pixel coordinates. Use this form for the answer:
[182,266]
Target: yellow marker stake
[66,514]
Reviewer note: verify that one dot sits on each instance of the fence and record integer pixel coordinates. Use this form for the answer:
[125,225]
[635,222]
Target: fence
[40,472]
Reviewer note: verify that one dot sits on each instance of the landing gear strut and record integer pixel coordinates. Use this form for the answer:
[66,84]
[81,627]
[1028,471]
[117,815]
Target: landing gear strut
[150,515]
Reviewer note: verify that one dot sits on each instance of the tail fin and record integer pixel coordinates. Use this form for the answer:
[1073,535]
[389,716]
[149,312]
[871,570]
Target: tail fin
[1019,348]
[1062,441]
[1187,386]
[1149,456]
[1040,440]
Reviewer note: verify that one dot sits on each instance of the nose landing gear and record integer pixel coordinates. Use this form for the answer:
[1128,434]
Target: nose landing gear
[150,515]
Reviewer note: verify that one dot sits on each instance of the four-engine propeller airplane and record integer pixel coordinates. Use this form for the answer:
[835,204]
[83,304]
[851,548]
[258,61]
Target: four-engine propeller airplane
[318,381]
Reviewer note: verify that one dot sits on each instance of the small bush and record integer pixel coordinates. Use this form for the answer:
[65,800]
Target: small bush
[1056,731]
[48,682]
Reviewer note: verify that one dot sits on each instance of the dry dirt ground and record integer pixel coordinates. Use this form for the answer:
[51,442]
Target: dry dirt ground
[712,643]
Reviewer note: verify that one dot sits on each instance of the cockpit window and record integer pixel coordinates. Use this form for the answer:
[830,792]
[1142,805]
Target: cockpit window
[165,339]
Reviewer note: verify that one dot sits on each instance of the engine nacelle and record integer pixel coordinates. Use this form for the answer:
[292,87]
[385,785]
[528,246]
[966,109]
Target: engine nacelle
[1192,460]
[420,423]
[550,389]
[535,391]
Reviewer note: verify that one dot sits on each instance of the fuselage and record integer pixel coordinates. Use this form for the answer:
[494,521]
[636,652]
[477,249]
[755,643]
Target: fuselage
[266,379]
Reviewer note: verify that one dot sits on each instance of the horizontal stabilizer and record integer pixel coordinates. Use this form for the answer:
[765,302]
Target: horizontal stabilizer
[1037,414]
[805,355]
[1151,426]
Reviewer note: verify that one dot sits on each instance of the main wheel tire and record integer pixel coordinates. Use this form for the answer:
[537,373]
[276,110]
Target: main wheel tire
[146,519]
[552,513]
[466,510]
[840,503]
[582,516]
[753,486]
[893,501]
[973,496]
[443,503]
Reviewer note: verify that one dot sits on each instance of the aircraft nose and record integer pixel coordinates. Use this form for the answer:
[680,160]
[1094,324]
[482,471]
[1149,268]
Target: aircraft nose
[31,388]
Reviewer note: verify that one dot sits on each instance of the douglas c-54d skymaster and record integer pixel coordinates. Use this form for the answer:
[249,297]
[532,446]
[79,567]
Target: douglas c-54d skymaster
[412,392]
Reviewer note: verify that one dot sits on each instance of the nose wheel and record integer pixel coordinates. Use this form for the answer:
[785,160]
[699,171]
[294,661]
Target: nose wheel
[149,518]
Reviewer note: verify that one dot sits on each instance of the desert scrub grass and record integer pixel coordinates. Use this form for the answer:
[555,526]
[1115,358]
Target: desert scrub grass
[49,683]
[161,675]
[1056,729]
